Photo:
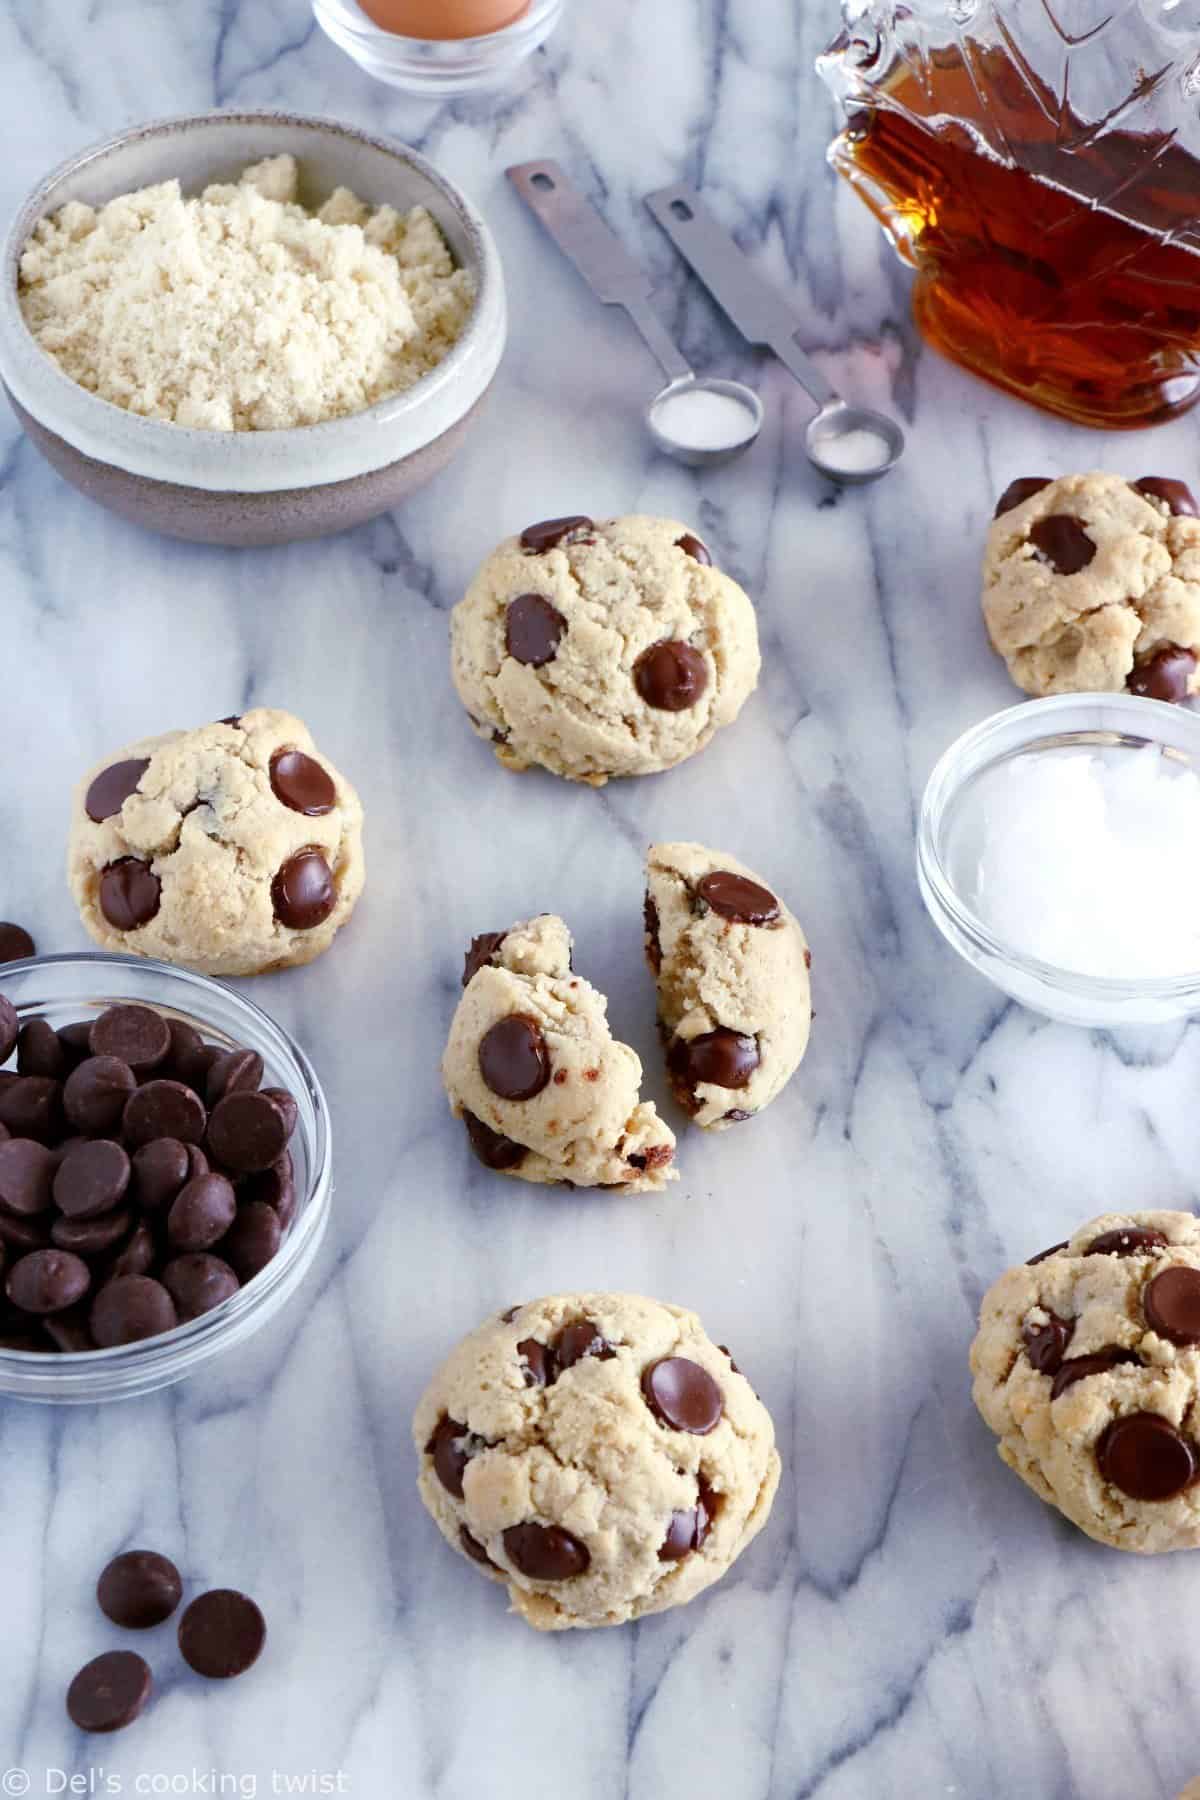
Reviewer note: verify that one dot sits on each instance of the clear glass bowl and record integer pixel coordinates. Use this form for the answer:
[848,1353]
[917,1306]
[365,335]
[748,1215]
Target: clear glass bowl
[65,988]
[438,68]
[950,815]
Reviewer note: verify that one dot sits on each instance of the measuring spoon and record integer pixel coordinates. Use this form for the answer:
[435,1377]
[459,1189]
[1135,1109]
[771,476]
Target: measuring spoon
[847,443]
[683,416]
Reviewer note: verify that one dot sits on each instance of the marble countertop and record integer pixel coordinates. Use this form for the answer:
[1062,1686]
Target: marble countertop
[912,1622]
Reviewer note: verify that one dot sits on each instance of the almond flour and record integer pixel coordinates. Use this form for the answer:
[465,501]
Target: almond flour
[240,310]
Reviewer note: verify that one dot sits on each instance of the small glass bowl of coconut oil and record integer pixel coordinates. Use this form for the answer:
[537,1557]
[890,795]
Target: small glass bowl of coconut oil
[1058,851]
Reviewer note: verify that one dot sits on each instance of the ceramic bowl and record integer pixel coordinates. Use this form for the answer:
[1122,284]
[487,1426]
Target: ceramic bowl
[255,487]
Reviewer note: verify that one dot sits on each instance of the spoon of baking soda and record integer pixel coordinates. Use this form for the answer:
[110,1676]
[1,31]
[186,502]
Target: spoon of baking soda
[700,420]
[850,444]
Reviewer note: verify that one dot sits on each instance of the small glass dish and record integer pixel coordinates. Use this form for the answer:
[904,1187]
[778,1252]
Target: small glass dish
[63,989]
[439,68]
[948,829]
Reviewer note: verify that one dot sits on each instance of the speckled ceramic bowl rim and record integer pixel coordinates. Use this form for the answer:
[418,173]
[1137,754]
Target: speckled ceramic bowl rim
[249,461]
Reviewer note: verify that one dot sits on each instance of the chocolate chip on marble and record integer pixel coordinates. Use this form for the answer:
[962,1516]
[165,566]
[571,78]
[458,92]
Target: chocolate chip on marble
[197,1282]
[1127,1240]
[1062,541]
[670,676]
[221,1634]
[1171,1304]
[545,1552]
[136,1035]
[300,783]
[139,1589]
[10,1028]
[513,1059]
[494,1150]
[688,1530]
[1046,1345]
[692,546]
[579,1339]
[1078,1368]
[449,1449]
[31,1106]
[112,787]
[540,1366]
[682,1395]
[1146,1457]
[533,630]
[15,945]
[246,1133]
[201,1213]
[738,898]
[159,1170]
[547,534]
[650,922]
[1020,490]
[109,1692]
[233,1072]
[481,953]
[1043,1254]
[91,1178]
[252,1240]
[1177,495]
[40,1051]
[129,1308]
[47,1281]
[1163,676]
[96,1093]
[26,1175]
[474,1548]
[720,1058]
[129,893]
[303,892]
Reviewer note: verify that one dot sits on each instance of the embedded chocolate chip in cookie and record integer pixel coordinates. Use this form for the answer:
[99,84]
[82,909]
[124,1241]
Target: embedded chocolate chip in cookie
[234,849]
[543,1089]
[731,963]
[596,1453]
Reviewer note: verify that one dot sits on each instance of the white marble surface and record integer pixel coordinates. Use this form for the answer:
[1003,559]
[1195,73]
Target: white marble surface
[912,1623]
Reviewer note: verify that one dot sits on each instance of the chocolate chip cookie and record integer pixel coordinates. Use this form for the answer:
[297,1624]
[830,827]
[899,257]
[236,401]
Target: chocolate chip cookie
[596,1453]
[602,648]
[535,1074]
[1091,583]
[731,963]
[1087,1367]
[233,849]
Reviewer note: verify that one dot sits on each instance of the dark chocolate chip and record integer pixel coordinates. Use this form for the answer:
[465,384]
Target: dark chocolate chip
[160,1169]
[234,719]
[139,1589]
[138,1256]
[1043,1254]
[494,1150]
[47,1281]
[40,1051]
[1062,541]
[481,953]
[540,1367]
[299,782]
[15,945]
[1146,1457]
[547,534]
[233,1072]
[545,1552]
[474,1548]
[21,1233]
[693,547]
[246,1133]
[92,1178]
[201,1213]
[287,1106]
[164,1109]
[688,1530]
[76,1040]
[69,1331]
[1020,490]
[275,1187]
[303,892]
[513,1059]
[112,788]
[10,1028]
[190,1057]
[533,630]
[26,1175]
[31,1106]
[579,1339]
[96,1093]
[448,1448]
[1078,1368]
[221,1634]
[129,1308]
[720,1058]
[1177,495]
[682,1395]
[109,1692]
[736,1115]
[670,676]
[650,922]
[136,1035]
[198,1282]
[92,1236]
[1046,1345]
[1127,1240]
[129,893]
[1171,1303]
[1163,676]
[737,897]
[252,1240]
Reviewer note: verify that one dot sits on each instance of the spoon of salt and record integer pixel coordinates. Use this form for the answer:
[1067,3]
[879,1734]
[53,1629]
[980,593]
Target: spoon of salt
[698,419]
[851,444]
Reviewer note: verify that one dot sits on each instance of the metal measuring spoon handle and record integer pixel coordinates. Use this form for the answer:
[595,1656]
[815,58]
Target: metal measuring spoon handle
[600,257]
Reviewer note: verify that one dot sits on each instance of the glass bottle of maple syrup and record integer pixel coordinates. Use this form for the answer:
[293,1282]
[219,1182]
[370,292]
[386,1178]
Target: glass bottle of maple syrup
[1038,162]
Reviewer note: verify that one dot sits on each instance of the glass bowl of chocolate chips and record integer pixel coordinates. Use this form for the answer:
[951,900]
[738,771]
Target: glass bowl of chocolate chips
[164,1174]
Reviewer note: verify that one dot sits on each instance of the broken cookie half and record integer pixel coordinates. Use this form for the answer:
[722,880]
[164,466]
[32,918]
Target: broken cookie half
[731,963]
[532,1069]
